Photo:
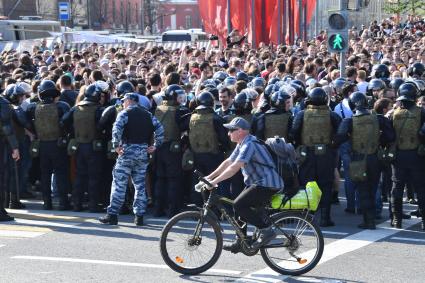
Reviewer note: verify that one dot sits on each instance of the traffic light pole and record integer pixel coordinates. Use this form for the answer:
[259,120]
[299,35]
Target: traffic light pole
[343,7]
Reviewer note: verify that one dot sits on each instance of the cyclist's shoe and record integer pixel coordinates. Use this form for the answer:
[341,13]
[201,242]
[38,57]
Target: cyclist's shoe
[264,237]
[234,247]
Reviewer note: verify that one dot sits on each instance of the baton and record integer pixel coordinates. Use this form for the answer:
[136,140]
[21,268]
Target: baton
[17,181]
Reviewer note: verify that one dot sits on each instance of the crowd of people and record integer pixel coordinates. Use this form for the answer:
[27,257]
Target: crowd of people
[62,113]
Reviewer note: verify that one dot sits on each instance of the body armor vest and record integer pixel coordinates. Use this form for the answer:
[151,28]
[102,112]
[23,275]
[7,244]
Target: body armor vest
[19,131]
[139,127]
[166,114]
[317,127]
[85,123]
[365,135]
[276,125]
[202,135]
[47,122]
[407,123]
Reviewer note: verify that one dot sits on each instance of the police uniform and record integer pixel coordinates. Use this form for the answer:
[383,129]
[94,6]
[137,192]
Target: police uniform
[314,129]
[7,142]
[45,117]
[133,131]
[366,131]
[168,157]
[82,123]
[409,164]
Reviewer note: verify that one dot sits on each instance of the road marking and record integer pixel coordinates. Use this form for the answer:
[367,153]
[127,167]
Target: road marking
[34,215]
[1,246]
[408,239]
[24,228]
[227,225]
[333,250]
[46,223]
[19,234]
[121,263]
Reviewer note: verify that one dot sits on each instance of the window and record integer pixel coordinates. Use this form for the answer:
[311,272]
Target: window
[188,22]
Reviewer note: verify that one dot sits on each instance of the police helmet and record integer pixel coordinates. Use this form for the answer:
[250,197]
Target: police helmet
[220,75]
[268,91]
[242,102]
[418,69]
[395,83]
[288,78]
[376,84]
[124,87]
[172,92]
[251,93]
[209,82]
[357,100]
[229,81]
[205,99]
[47,89]
[213,90]
[272,81]
[278,99]
[242,76]
[13,92]
[317,96]
[420,84]
[257,83]
[407,92]
[338,84]
[300,83]
[92,93]
[380,71]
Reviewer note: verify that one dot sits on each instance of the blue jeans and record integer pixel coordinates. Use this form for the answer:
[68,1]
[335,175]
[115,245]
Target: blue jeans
[351,193]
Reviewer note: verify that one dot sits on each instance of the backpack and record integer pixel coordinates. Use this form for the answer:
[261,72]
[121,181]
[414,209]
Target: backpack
[284,157]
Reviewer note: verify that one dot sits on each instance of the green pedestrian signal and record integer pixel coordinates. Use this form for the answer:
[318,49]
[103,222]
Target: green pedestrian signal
[336,42]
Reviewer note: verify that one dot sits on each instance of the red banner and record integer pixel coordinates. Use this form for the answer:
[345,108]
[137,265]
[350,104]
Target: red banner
[214,17]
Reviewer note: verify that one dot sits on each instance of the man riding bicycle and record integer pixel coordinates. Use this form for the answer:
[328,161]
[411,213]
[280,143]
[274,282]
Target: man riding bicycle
[260,177]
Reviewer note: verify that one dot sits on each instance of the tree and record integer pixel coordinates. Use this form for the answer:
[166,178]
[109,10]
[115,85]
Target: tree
[399,7]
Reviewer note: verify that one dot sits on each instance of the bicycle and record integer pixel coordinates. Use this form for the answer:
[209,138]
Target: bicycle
[193,232]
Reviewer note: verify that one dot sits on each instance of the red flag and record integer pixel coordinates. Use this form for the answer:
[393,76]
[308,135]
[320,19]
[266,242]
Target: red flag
[214,17]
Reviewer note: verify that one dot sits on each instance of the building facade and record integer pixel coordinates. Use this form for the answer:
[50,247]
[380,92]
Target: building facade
[178,14]
[14,9]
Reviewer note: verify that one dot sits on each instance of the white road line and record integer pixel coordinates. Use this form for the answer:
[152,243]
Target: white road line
[121,263]
[20,234]
[44,223]
[2,246]
[227,225]
[408,239]
[333,250]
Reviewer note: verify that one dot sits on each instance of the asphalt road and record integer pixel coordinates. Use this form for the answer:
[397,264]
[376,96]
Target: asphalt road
[57,246]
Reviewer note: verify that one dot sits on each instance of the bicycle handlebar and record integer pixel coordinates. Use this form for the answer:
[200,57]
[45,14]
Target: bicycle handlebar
[202,178]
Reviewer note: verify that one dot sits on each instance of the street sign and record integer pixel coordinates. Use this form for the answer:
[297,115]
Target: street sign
[64,11]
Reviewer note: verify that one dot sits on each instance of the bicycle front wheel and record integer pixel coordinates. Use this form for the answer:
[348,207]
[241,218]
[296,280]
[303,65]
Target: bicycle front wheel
[186,252]
[301,252]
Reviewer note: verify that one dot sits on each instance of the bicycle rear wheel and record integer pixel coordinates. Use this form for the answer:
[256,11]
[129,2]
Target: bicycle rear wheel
[185,253]
[302,252]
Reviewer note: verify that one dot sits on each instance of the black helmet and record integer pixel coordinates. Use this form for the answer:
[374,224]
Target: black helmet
[13,92]
[92,93]
[420,84]
[124,87]
[172,92]
[257,83]
[299,89]
[418,69]
[375,85]
[229,81]
[213,90]
[47,89]
[242,102]
[396,83]
[269,90]
[272,81]
[279,98]
[209,82]
[242,76]
[407,92]
[338,84]
[205,99]
[317,96]
[288,78]
[300,83]
[380,71]
[220,75]
[357,100]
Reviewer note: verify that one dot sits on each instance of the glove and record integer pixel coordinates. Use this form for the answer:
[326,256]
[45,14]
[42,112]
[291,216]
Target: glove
[199,186]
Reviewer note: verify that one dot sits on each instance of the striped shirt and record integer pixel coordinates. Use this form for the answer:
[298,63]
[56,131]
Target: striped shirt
[259,168]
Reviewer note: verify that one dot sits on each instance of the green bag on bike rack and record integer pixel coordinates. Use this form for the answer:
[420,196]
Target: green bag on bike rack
[308,198]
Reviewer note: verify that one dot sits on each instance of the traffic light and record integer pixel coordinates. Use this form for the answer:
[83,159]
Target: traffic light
[338,32]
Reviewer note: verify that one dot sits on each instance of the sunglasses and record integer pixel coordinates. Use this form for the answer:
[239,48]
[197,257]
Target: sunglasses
[233,130]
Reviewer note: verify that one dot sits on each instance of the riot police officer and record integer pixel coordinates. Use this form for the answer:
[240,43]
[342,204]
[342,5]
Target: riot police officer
[15,95]
[8,145]
[381,71]
[82,123]
[131,137]
[46,116]
[375,90]
[408,121]
[313,132]
[207,135]
[366,131]
[168,156]
[277,121]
